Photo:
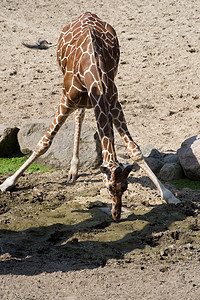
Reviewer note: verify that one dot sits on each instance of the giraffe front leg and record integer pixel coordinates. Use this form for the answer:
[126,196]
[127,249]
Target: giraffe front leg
[11,181]
[136,155]
[40,149]
[73,172]
[45,142]
[164,192]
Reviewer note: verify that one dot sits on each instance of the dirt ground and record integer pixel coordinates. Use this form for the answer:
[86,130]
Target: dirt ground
[56,239]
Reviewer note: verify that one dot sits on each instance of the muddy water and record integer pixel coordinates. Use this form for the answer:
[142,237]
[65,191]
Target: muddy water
[56,219]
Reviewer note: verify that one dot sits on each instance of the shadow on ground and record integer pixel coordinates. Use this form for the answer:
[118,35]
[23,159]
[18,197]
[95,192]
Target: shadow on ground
[88,243]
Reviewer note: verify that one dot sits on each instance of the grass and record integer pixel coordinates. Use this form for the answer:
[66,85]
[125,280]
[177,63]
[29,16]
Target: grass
[186,183]
[10,165]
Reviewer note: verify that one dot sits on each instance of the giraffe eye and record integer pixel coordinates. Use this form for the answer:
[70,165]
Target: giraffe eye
[112,188]
[105,171]
[123,187]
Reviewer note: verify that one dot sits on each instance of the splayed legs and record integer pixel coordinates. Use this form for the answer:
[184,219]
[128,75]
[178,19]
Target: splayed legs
[64,110]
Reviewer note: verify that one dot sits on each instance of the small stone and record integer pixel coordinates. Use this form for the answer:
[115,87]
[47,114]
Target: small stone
[149,150]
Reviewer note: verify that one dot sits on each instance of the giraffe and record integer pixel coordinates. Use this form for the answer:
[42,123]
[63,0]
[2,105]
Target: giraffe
[88,55]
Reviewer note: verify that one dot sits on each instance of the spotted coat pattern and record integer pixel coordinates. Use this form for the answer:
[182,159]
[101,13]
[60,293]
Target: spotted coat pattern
[88,55]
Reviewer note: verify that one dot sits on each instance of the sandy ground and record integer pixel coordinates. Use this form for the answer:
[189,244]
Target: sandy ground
[142,257]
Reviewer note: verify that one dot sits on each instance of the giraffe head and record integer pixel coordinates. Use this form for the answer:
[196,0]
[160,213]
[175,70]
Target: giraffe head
[116,181]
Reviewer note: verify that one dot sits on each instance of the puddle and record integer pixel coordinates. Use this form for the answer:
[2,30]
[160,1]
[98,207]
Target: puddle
[33,222]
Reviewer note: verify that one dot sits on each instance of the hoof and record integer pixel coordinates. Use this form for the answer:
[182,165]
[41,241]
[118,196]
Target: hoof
[170,198]
[173,200]
[72,177]
[7,184]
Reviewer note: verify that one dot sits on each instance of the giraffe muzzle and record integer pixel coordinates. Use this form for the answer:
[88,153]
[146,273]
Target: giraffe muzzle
[116,208]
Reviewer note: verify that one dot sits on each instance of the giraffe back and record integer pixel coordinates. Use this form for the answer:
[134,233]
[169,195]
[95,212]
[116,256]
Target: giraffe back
[93,41]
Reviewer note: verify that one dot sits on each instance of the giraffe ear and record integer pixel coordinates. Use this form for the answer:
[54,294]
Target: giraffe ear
[128,169]
[106,171]
[118,171]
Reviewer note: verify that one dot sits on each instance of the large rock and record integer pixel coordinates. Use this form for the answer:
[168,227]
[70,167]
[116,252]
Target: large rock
[8,140]
[155,164]
[171,171]
[60,152]
[189,157]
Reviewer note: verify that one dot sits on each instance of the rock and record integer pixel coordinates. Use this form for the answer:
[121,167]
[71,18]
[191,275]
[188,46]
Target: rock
[171,158]
[149,150]
[60,152]
[153,157]
[8,140]
[171,171]
[189,157]
[155,164]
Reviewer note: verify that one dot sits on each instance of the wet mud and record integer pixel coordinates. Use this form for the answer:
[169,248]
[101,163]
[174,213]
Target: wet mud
[45,218]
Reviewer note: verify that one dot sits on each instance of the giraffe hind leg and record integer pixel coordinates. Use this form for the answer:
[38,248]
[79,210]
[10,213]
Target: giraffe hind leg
[73,172]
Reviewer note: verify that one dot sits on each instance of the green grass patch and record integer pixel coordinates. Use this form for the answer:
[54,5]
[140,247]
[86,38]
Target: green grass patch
[10,165]
[186,183]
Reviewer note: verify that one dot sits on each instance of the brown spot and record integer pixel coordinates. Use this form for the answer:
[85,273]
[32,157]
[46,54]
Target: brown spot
[67,81]
[62,109]
[93,70]
[60,119]
[45,139]
[47,135]
[74,92]
[97,110]
[102,119]
[105,143]
[110,147]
